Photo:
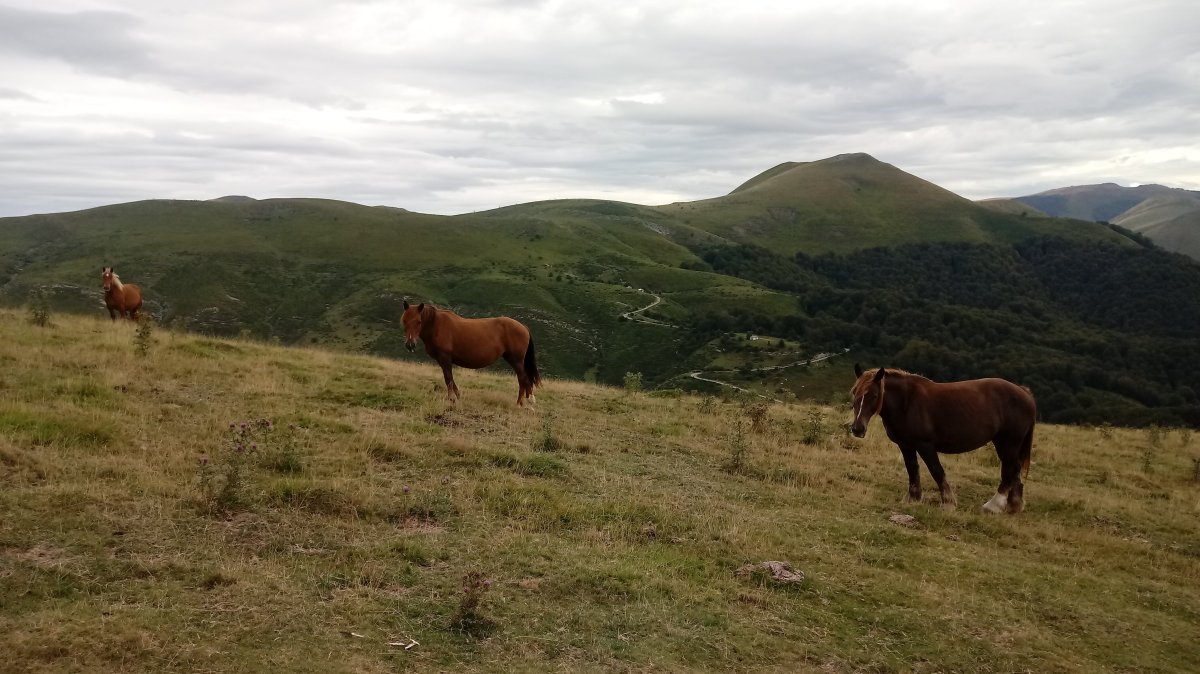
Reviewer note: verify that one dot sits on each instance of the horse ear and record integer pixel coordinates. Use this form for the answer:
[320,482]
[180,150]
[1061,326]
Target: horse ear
[421,306]
[406,304]
[857,370]
[879,375]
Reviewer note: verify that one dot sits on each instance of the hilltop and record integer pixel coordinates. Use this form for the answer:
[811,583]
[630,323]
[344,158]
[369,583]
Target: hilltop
[785,256]
[610,526]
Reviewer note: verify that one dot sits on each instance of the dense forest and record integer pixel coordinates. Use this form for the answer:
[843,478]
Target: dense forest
[1100,332]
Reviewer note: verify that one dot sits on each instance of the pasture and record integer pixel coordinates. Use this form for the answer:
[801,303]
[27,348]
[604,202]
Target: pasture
[603,530]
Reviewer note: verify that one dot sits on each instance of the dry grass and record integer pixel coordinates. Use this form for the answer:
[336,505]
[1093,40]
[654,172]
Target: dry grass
[617,550]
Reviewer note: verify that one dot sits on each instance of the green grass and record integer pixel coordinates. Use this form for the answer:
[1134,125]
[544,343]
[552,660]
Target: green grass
[618,550]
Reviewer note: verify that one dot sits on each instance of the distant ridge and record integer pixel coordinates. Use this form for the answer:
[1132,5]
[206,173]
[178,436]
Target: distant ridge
[1169,216]
[234,199]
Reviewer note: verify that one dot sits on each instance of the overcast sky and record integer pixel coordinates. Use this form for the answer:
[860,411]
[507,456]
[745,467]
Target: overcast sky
[448,106]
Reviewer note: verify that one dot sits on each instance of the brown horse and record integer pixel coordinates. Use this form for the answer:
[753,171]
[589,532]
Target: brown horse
[453,340]
[924,418]
[122,299]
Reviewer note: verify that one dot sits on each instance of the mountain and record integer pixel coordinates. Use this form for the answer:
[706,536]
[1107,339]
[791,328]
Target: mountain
[814,258]
[850,202]
[1168,216]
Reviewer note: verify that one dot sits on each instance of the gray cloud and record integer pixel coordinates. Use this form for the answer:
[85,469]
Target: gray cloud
[459,106]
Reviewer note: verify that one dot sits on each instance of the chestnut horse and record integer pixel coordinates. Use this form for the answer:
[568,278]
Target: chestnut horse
[453,340]
[122,299]
[924,418]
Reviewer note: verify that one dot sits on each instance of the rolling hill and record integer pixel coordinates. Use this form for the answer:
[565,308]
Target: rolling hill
[760,260]
[1168,216]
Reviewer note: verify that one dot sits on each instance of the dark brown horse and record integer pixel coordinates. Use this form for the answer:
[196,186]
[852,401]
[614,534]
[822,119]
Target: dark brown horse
[122,299]
[926,418]
[453,340]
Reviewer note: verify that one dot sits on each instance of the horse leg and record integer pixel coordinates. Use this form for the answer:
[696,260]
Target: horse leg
[524,386]
[112,313]
[914,473]
[451,387]
[1010,494]
[930,456]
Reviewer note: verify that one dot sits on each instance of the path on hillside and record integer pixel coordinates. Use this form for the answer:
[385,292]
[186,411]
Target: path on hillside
[697,374]
[636,316]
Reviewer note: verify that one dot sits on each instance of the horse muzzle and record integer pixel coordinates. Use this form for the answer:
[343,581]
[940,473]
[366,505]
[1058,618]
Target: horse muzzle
[859,431]
[410,345]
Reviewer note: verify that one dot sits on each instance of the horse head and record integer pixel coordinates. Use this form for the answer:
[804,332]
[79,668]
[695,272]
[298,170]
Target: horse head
[106,278]
[412,318]
[866,397]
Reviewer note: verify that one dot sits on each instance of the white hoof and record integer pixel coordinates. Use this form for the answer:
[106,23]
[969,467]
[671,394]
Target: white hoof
[996,504]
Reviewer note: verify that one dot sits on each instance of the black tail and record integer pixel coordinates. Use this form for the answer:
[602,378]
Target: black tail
[531,369]
[1027,442]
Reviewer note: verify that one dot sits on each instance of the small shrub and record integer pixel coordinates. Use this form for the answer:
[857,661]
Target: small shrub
[738,448]
[633,382]
[1154,434]
[467,618]
[707,403]
[222,488]
[1196,469]
[1148,459]
[812,429]
[546,441]
[143,338]
[288,450]
[39,309]
[1105,430]
[756,412]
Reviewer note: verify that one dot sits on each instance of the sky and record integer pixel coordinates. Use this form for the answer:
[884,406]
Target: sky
[452,106]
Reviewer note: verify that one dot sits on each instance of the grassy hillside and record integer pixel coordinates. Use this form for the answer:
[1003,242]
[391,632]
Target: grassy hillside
[1171,221]
[607,528]
[1012,207]
[335,274]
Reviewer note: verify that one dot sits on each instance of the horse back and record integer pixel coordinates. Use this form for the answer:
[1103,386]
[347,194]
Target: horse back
[968,414]
[479,342]
[133,297]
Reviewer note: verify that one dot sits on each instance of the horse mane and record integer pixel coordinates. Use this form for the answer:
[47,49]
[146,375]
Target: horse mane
[117,282]
[868,375]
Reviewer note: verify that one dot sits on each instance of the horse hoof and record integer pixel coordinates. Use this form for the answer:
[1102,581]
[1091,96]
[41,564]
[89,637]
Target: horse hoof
[996,504]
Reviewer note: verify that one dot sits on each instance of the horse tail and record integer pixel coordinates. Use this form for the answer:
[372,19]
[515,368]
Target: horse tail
[1027,443]
[531,368]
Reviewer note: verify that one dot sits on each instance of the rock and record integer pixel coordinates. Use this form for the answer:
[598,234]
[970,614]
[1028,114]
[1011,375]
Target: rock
[904,520]
[780,572]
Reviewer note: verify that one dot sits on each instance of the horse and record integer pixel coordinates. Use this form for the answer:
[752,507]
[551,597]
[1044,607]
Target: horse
[453,340]
[925,418]
[122,299]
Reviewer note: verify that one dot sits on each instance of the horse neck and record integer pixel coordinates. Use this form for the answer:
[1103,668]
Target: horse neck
[116,287]
[428,321]
[897,392]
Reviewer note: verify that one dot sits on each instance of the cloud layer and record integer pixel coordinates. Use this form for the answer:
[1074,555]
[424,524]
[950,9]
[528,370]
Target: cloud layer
[457,106]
